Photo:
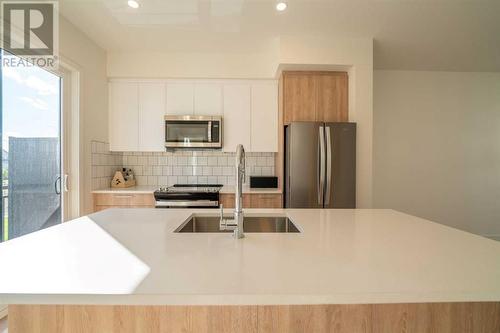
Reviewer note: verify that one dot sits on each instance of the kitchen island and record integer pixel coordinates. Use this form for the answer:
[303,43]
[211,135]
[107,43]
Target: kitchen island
[126,270]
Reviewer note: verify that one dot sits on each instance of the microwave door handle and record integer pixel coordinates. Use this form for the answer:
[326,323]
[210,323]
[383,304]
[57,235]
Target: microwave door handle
[209,131]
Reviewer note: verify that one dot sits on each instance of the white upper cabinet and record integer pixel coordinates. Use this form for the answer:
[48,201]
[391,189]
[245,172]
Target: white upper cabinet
[208,99]
[249,109]
[264,124]
[180,98]
[236,120]
[123,116]
[151,116]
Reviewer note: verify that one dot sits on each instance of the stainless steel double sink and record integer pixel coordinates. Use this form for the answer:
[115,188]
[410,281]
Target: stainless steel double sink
[207,223]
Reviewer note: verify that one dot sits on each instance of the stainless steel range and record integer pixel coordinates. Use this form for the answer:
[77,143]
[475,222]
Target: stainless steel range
[188,196]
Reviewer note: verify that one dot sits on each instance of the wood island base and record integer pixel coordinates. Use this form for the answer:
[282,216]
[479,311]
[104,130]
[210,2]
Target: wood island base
[383,318]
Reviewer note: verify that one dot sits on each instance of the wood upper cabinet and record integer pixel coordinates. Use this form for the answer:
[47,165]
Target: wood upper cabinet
[299,97]
[315,96]
[331,101]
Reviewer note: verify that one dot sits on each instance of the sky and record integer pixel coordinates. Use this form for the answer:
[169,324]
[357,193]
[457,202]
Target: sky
[30,106]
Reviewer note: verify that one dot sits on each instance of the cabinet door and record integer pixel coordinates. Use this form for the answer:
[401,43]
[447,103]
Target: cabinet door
[123,116]
[236,122]
[299,97]
[228,200]
[264,123]
[266,201]
[180,98]
[208,99]
[151,117]
[332,97]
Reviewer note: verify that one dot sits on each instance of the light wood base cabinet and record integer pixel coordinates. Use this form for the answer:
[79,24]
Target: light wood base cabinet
[254,200]
[367,318]
[122,200]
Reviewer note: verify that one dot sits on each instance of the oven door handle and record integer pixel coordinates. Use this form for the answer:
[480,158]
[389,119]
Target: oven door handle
[194,203]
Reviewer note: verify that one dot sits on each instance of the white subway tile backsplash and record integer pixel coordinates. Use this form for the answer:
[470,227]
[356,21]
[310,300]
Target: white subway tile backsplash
[201,160]
[187,171]
[169,168]
[217,171]
[131,160]
[231,181]
[147,170]
[177,171]
[207,171]
[163,160]
[152,180]
[267,171]
[104,164]
[212,160]
[143,180]
[162,181]
[137,169]
[152,160]
[228,171]
[157,170]
[222,161]
[197,171]
[172,180]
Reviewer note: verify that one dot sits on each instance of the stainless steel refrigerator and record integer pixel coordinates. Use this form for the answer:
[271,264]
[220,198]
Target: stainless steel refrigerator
[320,165]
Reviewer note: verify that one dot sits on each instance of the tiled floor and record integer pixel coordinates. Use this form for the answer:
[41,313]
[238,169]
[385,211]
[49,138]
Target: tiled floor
[3,325]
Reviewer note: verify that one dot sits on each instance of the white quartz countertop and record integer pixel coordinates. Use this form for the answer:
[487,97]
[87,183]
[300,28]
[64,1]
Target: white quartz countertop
[133,256]
[145,189]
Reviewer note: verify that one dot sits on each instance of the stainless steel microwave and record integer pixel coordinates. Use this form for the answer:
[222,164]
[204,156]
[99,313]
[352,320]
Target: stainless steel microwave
[193,132]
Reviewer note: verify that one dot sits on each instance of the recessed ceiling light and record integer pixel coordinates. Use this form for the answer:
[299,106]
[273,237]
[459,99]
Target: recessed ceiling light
[281,6]
[133,4]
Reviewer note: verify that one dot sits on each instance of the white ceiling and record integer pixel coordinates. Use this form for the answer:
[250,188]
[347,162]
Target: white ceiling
[456,35]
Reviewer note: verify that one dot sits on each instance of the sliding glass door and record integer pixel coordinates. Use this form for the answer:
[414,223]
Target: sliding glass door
[31,144]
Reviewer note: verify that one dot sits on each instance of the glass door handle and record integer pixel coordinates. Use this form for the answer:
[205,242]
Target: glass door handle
[57,185]
[65,183]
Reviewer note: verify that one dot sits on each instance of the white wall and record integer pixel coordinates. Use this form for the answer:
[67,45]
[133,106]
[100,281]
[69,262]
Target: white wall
[437,147]
[285,52]
[90,60]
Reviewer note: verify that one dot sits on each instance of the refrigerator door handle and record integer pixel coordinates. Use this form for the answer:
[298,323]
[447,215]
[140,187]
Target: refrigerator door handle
[329,154]
[321,165]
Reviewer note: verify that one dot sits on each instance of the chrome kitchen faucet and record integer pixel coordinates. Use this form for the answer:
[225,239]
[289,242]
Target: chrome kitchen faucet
[236,223]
